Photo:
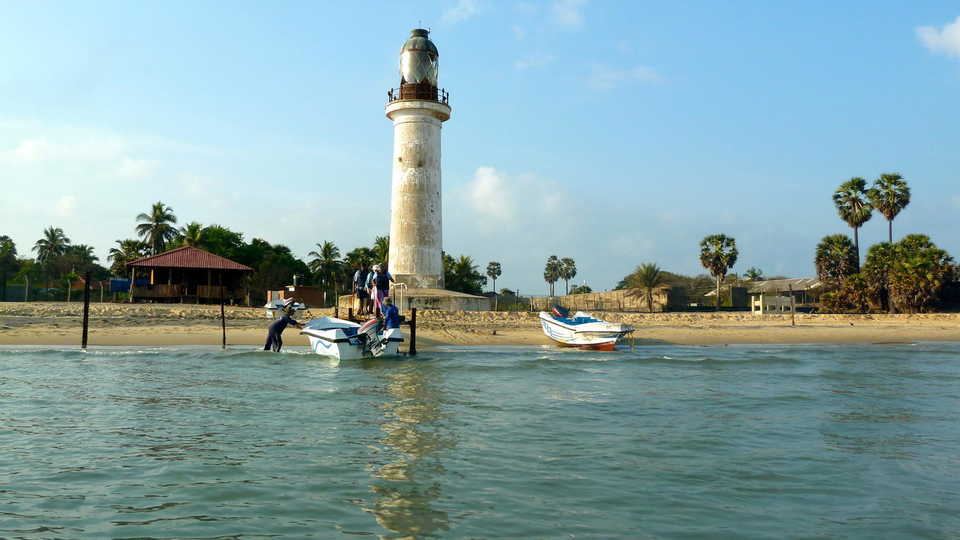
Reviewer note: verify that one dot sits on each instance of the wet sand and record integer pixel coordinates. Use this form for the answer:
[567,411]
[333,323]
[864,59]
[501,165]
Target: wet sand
[175,324]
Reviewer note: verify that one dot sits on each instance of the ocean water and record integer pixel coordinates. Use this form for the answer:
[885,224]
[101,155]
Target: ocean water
[805,441]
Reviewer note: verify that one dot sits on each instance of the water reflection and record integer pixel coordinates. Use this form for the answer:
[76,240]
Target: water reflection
[416,434]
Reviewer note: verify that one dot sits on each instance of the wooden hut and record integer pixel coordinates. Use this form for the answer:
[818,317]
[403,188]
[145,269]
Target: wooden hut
[188,274]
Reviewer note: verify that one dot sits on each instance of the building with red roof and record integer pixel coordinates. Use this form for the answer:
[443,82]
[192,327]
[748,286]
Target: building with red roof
[188,274]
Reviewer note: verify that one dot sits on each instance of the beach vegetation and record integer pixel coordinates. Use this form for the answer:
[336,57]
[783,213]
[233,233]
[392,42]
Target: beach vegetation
[493,272]
[718,254]
[126,251]
[580,289]
[9,264]
[192,235]
[462,275]
[908,276]
[327,266]
[568,271]
[835,258]
[157,227]
[381,249]
[551,272]
[753,274]
[890,194]
[853,207]
[644,280]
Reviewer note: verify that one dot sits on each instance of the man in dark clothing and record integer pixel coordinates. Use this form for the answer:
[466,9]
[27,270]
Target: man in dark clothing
[274,341]
[360,288]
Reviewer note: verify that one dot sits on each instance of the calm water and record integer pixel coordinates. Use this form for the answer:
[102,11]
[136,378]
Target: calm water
[662,442]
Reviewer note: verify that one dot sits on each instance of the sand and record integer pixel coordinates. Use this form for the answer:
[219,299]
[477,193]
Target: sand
[59,323]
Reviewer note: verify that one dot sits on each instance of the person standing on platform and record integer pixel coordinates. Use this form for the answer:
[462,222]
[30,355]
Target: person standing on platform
[360,289]
[379,284]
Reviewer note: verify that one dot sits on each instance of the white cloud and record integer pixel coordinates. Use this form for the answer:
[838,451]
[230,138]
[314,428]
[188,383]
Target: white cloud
[944,40]
[65,206]
[568,13]
[497,198]
[463,10]
[605,77]
[533,61]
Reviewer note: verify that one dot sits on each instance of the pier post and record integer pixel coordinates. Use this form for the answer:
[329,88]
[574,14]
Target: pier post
[413,332]
[86,309]
[223,318]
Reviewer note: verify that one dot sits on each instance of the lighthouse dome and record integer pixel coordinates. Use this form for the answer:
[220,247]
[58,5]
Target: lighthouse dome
[419,59]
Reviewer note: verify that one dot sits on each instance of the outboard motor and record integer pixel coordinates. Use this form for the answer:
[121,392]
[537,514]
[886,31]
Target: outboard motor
[369,334]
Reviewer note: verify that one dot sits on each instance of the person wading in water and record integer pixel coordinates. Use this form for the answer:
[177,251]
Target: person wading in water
[274,341]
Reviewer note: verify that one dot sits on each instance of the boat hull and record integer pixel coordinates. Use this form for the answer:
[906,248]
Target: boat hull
[596,335]
[336,338]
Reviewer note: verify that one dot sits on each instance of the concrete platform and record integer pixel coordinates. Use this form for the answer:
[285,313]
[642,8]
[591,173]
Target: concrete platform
[440,299]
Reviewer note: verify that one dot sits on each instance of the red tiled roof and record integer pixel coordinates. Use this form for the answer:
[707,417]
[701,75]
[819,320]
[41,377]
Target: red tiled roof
[189,257]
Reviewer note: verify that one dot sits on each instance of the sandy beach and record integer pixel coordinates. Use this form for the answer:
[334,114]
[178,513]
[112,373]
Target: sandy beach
[176,324]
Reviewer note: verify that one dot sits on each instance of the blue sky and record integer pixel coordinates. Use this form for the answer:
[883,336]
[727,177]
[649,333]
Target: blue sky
[615,133]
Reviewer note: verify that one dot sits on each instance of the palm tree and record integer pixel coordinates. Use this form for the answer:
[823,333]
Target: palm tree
[853,206]
[551,271]
[192,234]
[493,272]
[381,248]
[8,262]
[890,194]
[157,227]
[126,251]
[568,271]
[53,244]
[326,264]
[81,258]
[718,254]
[753,274]
[644,280]
[836,258]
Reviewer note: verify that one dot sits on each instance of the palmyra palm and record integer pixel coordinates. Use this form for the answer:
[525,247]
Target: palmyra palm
[889,195]
[853,206]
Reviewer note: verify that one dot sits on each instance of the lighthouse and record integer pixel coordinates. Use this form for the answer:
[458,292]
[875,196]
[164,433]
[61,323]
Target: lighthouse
[418,109]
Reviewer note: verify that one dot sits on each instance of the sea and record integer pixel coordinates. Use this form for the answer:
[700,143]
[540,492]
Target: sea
[659,441]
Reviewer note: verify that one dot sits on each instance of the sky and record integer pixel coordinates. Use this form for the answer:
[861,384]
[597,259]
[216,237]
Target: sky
[615,133]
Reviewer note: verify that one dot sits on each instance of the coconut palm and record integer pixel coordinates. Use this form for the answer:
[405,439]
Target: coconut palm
[853,207]
[192,234]
[53,244]
[326,264]
[81,257]
[551,271]
[381,248]
[644,280]
[836,258]
[8,262]
[718,254]
[157,227]
[889,195]
[493,272]
[126,251]
[568,271]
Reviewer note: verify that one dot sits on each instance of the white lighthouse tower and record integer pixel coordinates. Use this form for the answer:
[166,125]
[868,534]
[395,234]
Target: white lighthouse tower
[417,108]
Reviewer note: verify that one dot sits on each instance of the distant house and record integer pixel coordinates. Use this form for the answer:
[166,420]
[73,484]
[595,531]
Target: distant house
[188,274]
[783,295]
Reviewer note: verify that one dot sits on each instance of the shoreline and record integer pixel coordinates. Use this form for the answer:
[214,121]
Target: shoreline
[176,324]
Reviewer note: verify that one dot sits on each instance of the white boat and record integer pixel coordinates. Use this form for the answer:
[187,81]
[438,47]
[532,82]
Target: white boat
[582,330]
[347,340]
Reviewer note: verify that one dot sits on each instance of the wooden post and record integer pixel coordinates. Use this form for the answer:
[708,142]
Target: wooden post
[86,309]
[336,312]
[413,332]
[133,279]
[793,308]
[350,314]
[223,319]
[101,291]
